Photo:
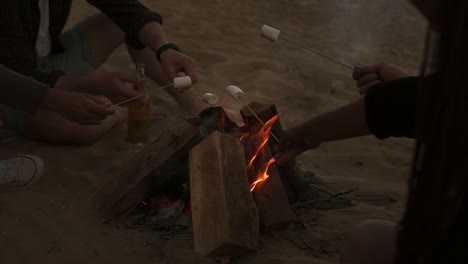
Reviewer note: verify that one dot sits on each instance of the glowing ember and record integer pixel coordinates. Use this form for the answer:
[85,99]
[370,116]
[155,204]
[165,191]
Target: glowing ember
[260,140]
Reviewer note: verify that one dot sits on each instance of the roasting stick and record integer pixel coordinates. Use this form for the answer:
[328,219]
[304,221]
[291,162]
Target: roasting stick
[258,118]
[237,93]
[273,35]
[143,94]
[180,84]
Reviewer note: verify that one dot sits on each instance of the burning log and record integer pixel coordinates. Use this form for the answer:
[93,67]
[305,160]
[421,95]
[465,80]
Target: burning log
[225,218]
[271,198]
[291,177]
[266,185]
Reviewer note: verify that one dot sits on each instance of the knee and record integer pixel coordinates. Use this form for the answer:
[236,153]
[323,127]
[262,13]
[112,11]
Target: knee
[373,241]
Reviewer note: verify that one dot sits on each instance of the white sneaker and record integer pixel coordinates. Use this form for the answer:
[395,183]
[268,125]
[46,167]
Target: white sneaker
[20,171]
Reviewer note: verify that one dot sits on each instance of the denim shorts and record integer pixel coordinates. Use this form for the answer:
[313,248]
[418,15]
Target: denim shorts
[76,60]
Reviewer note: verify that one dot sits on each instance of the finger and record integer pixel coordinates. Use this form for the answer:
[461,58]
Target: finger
[128,91]
[366,79]
[171,70]
[100,111]
[363,90]
[361,71]
[101,100]
[190,69]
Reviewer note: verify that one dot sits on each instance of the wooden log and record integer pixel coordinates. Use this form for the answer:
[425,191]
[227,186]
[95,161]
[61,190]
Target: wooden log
[225,218]
[270,196]
[156,163]
[291,177]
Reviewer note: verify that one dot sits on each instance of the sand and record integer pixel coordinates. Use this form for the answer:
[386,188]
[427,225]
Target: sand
[56,221]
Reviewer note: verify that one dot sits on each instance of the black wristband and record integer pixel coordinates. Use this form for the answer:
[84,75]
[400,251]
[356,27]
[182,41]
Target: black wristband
[165,47]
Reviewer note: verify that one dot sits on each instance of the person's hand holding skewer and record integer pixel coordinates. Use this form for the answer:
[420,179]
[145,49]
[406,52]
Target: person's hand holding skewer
[295,141]
[116,85]
[79,107]
[370,75]
[174,63]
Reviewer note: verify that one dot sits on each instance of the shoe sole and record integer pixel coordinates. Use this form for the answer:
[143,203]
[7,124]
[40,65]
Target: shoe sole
[37,175]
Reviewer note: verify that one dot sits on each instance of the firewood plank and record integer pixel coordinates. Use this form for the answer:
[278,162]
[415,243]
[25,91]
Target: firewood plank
[271,198]
[127,188]
[291,176]
[225,218]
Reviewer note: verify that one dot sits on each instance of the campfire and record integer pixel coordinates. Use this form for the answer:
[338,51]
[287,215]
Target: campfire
[225,176]
[258,142]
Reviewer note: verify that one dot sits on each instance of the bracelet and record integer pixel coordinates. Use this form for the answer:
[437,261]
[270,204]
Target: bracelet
[165,47]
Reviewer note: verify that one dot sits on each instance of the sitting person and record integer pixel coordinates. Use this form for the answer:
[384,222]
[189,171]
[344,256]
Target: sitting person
[25,94]
[36,47]
[433,110]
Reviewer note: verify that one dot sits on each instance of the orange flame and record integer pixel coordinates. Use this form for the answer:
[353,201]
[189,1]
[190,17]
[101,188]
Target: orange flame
[263,135]
[261,138]
[263,175]
[246,135]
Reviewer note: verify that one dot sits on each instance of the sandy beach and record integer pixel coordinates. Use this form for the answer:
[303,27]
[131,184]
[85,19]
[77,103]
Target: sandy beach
[56,221]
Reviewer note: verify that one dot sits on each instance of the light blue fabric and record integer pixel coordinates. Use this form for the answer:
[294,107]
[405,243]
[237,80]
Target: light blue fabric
[77,59]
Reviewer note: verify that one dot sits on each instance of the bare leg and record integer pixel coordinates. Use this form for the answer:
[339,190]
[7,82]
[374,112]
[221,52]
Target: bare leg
[371,242]
[52,127]
[103,36]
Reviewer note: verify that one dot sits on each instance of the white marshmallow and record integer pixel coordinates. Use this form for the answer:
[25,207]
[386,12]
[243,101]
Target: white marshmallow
[210,98]
[270,33]
[182,83]
[234,91]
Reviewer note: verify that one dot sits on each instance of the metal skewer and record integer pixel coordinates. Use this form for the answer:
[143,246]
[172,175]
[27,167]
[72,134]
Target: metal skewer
[316,52]
[258,118]
[143,94]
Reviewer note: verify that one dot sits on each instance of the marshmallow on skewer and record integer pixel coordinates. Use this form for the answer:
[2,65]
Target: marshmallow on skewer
[182,83]
[211,99]
[234,91]
[272,34]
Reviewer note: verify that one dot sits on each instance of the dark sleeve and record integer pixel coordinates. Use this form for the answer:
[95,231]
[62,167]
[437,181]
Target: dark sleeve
[21,92]
[391,108]
[130,16]
[17,48]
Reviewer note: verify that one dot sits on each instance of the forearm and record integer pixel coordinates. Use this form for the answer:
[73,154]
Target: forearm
[152,35]
[346,122]
[191,102]
[21,92]
[74,84]
[131,16]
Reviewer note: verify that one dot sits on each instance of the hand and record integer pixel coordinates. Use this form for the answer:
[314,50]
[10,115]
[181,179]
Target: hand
[78,107]
[234,115]
[295,141]
[174,62]
[370,75]
[114,84]
[111,84]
